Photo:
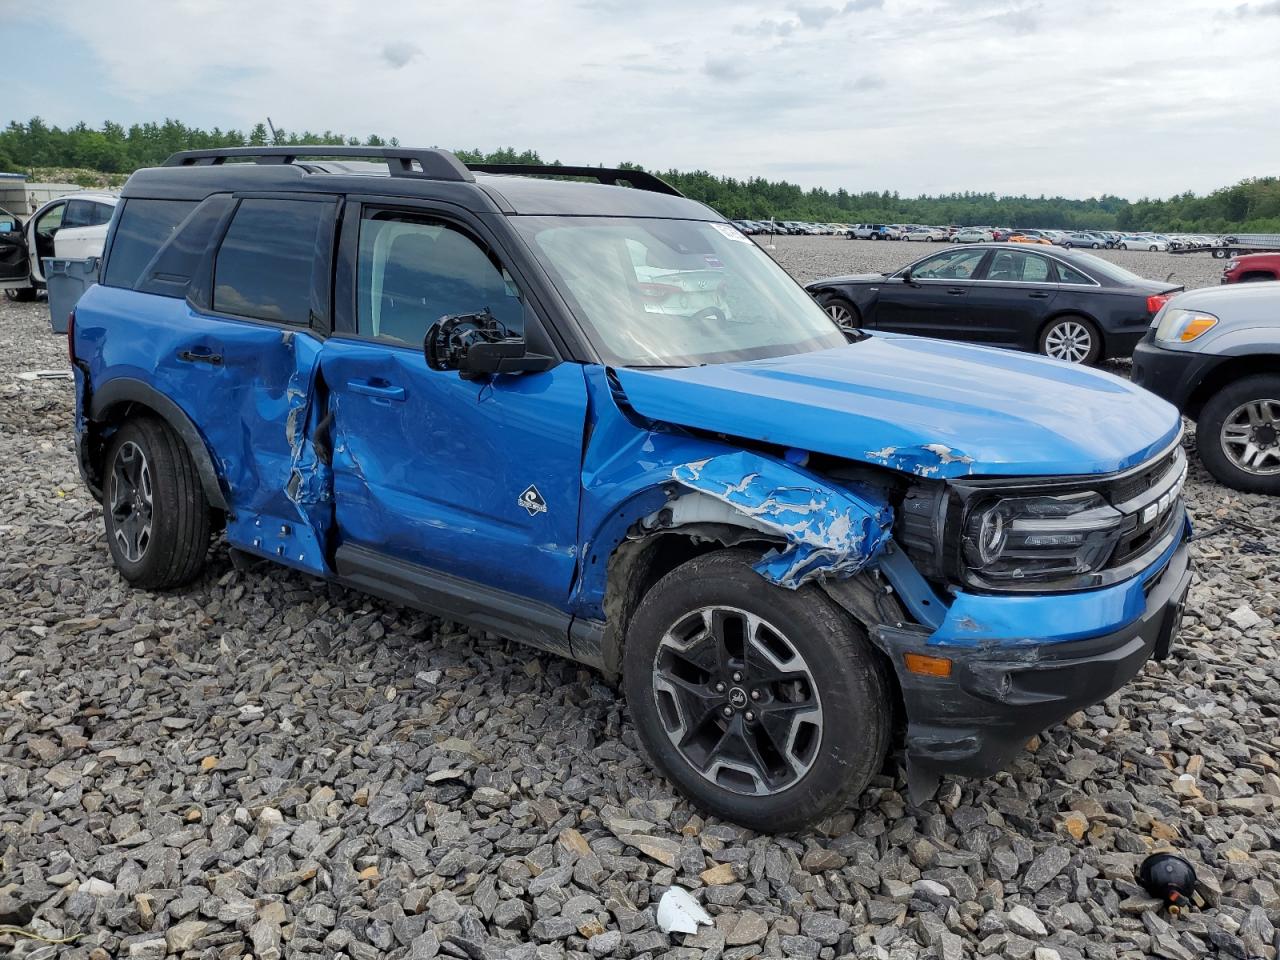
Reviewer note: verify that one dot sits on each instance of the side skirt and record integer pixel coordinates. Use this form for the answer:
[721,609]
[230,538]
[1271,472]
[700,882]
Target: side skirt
[454,598]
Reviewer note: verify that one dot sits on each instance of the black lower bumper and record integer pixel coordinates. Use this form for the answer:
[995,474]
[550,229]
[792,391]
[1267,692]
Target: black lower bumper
[976,721]
[1170,374]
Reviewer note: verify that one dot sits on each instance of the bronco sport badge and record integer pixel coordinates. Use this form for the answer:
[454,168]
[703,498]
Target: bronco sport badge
[532,501]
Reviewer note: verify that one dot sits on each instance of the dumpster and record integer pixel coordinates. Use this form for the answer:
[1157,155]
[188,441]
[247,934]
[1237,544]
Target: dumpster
[67,280]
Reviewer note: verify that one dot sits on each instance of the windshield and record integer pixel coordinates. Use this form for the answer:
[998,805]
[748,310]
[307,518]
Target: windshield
[674,293]
[1107,269]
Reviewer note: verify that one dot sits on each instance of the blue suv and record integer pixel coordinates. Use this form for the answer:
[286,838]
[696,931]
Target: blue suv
[597,418]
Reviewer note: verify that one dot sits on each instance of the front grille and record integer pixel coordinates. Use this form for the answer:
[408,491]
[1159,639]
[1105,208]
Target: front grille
[1151,500]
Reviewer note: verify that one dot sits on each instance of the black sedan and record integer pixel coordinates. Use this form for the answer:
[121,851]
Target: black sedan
[1065,304]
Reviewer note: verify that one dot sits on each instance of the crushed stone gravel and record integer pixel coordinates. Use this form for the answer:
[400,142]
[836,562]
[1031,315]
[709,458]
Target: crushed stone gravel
[263,764]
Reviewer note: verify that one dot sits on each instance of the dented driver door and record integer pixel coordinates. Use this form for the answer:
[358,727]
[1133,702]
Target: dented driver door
[444,487]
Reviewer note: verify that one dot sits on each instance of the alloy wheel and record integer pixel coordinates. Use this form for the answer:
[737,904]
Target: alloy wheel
[841,314]
[737,701]
[1069,341]
[1250,437]
[131,503]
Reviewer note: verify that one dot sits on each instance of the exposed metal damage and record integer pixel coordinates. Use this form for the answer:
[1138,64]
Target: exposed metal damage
[830,532]
[924,460]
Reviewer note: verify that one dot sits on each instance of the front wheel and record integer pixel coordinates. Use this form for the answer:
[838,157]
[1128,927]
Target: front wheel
[154,508]
[1153,248]
[1124,246]
[844,313]
[765,706]
[1073,339]
[1238,434]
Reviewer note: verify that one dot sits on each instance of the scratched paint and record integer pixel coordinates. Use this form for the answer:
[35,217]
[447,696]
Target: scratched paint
[830,532]
[924,460]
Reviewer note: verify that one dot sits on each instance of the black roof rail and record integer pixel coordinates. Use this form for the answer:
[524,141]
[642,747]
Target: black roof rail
[638,179]
[434,164]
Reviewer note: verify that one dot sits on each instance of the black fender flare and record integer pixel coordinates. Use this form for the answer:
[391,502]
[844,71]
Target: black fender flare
[126,390]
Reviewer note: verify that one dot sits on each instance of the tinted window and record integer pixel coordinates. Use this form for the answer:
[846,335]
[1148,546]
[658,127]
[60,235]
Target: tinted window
[264,265]
[952,265]
[1070,275]
[86,213]
[1014,266]
[413,272]
[145,226]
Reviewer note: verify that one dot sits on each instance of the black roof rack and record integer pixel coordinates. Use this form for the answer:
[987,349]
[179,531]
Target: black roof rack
[638,179]
[432,164]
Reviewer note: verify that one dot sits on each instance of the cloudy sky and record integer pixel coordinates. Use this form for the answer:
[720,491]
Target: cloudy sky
[1072,97]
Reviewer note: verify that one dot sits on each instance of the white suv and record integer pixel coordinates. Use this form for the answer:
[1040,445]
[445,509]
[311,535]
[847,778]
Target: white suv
[73,227]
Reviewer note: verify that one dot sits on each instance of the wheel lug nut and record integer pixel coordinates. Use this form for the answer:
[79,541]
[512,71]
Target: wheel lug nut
[737,677]
[720,687]
[750,715]
[728,711]
[755,694]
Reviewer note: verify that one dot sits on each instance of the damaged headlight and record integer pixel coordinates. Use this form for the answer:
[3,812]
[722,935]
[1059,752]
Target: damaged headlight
[1038,538]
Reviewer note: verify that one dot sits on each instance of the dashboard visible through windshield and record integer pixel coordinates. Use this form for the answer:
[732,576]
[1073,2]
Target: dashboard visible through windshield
[654,292]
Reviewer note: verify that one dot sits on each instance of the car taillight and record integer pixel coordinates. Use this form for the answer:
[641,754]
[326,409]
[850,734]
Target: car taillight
[658,291]
[71,336]
[1156,301]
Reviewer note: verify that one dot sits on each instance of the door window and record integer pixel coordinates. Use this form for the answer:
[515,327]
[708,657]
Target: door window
[86,213]
[49,222]
[412,272]
[264,265]
[952,265]
[1016,266]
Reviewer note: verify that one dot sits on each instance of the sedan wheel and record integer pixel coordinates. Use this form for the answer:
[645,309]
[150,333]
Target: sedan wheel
[1153,248]
[842,313]
[1094,245]
[1071,339]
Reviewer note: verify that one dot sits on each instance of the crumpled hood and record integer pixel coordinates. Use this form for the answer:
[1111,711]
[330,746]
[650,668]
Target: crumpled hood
[928,407]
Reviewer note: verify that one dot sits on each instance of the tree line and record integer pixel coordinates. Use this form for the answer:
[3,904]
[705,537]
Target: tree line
[1251,206]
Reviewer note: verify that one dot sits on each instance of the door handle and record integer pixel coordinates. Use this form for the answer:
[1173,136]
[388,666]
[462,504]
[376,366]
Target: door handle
[201,355]
[956,291]
[376,388]
[1039,295]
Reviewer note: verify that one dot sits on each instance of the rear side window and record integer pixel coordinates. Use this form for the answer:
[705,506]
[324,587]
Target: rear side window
[145,226]
[86,213]
[264,265]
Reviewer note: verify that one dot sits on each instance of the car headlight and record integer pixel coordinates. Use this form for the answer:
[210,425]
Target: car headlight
[1014,539]
[1183,326]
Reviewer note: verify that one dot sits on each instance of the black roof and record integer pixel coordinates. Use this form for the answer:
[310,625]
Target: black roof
[416,173]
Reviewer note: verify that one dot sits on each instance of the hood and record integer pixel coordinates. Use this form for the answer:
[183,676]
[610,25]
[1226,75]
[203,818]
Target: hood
[1257,302]
[929,407]
[850,278]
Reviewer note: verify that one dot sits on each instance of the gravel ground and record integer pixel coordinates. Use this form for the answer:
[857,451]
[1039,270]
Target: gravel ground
[809,258]
[263,764]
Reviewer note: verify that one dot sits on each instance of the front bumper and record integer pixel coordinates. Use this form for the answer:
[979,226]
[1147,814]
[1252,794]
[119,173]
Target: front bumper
[1172,375]
[976,721]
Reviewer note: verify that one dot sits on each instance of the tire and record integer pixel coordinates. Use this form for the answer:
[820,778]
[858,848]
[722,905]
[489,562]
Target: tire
[830,749]
[149,475]
[1227,409]
[844,313]
[1153,248]
[1124,246]
[1094,246]
[1072,339]
[21,294]
[928,239]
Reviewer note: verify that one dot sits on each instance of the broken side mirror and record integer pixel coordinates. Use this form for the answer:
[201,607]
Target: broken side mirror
[906,277]
[478,346]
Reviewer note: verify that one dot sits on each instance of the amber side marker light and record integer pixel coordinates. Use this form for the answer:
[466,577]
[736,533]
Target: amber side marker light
[927,666]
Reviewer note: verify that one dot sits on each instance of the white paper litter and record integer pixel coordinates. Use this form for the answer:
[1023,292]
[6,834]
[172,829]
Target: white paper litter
[680,913]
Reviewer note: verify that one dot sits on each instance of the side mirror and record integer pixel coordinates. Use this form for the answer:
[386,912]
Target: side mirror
[478,346]
[906,277]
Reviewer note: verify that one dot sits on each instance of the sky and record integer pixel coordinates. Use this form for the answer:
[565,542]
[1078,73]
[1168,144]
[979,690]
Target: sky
[1059,97]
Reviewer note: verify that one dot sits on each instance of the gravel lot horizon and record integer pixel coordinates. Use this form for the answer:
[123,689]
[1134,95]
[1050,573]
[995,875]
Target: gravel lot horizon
[264,764]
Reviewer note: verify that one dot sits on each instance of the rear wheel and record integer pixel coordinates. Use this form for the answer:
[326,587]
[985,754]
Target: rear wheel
[1238,434]
[765,706]
[1124,246]
[1071,338]
[154,508]
[844,313]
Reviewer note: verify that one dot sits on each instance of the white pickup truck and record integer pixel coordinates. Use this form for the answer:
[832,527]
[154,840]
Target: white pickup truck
[72,227]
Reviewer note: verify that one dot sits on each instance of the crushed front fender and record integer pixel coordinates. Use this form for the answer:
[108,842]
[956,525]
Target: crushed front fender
[830,531]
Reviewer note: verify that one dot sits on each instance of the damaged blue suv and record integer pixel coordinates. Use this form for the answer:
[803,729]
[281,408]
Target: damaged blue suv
[595,417]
